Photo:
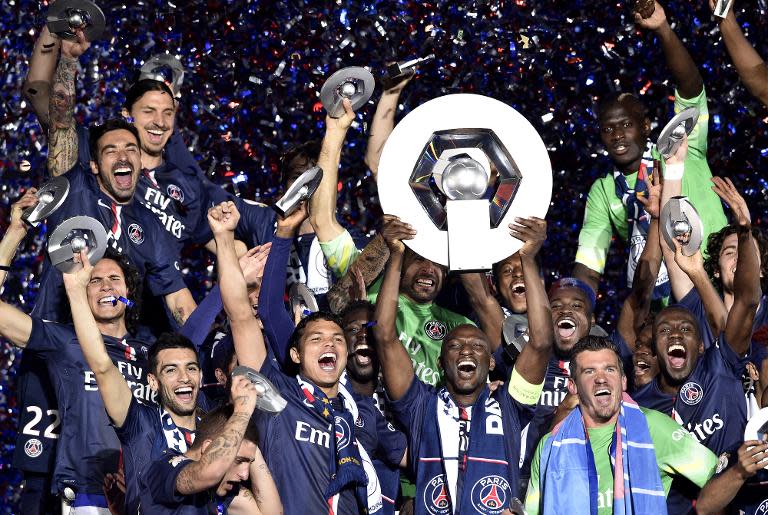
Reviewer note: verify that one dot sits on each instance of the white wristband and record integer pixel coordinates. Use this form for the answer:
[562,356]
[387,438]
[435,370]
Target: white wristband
[674,172]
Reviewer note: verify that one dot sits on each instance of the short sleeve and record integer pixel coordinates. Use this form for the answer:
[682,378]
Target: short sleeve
[257,222]
[678,453]
[47,337]
[160,478]
[721,356]
[135,421]
[596,230]
[697,140]
[339,253]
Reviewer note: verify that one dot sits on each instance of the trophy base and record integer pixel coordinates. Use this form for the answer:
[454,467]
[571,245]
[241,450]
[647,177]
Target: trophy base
[469,232]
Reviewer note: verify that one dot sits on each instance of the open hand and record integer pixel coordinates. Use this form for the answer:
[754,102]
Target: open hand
[728,192]
[79,278]
[532,232]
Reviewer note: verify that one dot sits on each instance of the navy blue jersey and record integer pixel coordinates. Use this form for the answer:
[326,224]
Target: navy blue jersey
[711,403]
[88,447]
[159,495]
[752,498]
[143,441]
[39,422]
[132,231]
[296,446]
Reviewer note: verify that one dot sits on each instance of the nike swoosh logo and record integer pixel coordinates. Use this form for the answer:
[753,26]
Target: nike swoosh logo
[102,204]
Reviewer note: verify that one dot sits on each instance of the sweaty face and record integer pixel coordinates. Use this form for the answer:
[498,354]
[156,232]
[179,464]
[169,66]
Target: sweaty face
[466,359]
[239,470]
[678,344]
[178,380]
[624,135]
[422,279]
[571,316]
[153,115]
[106,284]
[118,166]
[511,285]
[322,353]
[362,363]
[599,383]
[645,364]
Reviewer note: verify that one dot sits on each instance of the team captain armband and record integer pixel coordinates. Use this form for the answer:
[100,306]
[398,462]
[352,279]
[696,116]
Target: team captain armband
[340,252]
[523,391]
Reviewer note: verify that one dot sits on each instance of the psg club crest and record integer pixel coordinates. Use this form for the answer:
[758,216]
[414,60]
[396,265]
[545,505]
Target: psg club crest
[435,329]
[490,495]
[175,192]
[343,432]
[691,393]
[436,499]
[136,234]
[33,448]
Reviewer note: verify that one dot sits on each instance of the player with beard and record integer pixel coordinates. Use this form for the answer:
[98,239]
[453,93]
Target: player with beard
[610,456]
[702,389]
[334,468]
[463,438]
[625,129]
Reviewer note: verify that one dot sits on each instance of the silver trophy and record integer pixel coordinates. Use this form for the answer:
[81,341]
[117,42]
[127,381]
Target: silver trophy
[722,7]
[354,83]
[157,63]
[65,17]
[303,299]
[398,71]
[757,429]
[72,236]
[50,197]
[671,136]
[301,189]
[269,398]
[680,221]
[459,169]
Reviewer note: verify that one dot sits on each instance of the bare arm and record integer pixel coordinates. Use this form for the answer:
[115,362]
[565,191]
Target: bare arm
[382,125]
[37,85]
[322,208]
[396,365]
[245,503]
[532,362]
[485,306]
[368,265]
[679,61]
[181,305]
[62,133]
[113,388]
[220,454]
[267,498]
[748,63]
[720,490]
[249,342]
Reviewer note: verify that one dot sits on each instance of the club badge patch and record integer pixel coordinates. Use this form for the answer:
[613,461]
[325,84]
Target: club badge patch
[722,462]
[763,508]
[175,192]
[435,329]
[33,448]
[136,234]
[436,499]
[343,432]
[490,494]
[691,393]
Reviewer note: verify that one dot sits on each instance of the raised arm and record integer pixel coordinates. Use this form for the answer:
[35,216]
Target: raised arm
[746,279]
[113,388]
[485,306]
[721,489]
[181,304]
[680,63]
[15,325]
[748,63]
[395,363]
[37,85]
[62,133]
[532,362]
[220,454]
[360,274]
[383,123]
[322,208]
[246,333]
[267,497]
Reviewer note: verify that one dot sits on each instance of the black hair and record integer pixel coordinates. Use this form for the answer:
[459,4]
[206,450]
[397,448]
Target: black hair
[95,132]
[142,87]
[133,283]
[627,100]
[212,425]
[302,325]
[168,341]
[298,159]
[356,305]
[592,343]
[715,245]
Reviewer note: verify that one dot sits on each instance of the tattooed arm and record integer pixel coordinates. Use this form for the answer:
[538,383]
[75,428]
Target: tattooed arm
[181,305]
[368,265]
[62,133]
[37,84]
[220,453]
[267,498]
[245,503]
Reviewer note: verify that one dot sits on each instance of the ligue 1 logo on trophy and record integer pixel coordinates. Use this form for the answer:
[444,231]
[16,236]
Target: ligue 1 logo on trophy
[460,169]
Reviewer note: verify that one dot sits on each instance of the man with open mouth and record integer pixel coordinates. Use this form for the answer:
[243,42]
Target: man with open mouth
[609,455]
[624,130]
[463,438]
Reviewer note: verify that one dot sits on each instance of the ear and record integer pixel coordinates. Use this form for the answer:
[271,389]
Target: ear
[623,383]
[221,377]
[572,387]
[154,385]
[295,356]
[94,167]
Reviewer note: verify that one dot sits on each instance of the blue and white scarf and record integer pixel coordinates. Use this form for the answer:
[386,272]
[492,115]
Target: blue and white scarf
[487,462]
[177,439]
[639,221]
[568,468]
